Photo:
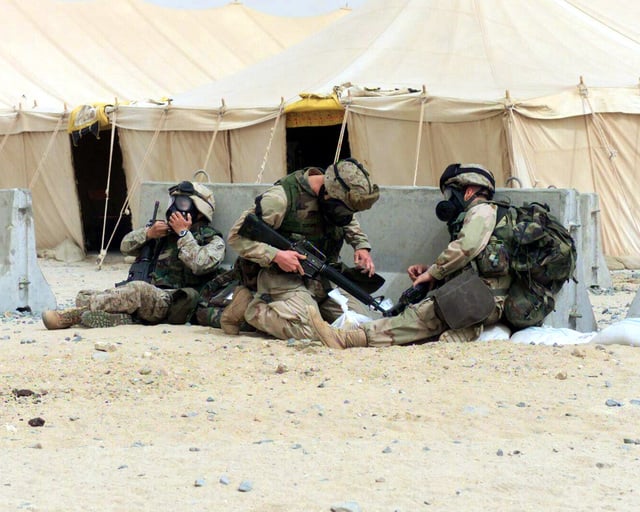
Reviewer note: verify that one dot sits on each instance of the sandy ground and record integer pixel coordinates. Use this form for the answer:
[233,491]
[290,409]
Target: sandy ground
[184,418]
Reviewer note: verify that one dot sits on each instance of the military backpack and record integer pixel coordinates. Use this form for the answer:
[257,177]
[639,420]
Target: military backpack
[542,258]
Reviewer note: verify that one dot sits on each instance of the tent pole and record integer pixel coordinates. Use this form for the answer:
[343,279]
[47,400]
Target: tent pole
[103,252]
[273,132]
[423,101]
[343,128]
[221,112]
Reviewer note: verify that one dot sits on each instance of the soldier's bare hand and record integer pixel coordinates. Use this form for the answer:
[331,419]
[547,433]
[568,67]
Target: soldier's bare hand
[157,230]
[416,271]
[179,223]
[362,259]
[289,261]
[425,277]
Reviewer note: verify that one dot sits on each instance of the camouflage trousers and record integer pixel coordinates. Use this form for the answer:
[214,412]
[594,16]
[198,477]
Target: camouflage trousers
[419,322]
[279,306]
[149,303]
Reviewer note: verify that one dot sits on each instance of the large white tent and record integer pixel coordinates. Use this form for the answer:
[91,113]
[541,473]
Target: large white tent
[544,91]
[56,55]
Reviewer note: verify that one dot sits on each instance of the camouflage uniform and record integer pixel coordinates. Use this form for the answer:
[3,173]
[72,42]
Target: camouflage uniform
[187,262]
[419,322]
[279,305]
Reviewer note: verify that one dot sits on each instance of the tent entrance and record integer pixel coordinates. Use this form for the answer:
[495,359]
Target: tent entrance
[314,146]
[313,131]
[91,165]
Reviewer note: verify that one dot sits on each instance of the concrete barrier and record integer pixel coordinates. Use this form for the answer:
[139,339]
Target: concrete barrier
[21,281]
[403,230]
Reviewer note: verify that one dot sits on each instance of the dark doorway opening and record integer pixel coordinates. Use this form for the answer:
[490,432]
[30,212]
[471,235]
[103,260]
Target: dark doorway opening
[91,164]
[314,146]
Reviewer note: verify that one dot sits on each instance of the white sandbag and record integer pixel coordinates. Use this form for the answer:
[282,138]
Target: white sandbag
[551,336]
[348,319]
[495,332]
[624,332]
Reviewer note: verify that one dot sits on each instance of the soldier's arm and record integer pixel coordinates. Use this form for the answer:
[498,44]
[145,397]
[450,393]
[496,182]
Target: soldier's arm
[355,237]
[473,238]
[274,207]
[201,259]
[133,241]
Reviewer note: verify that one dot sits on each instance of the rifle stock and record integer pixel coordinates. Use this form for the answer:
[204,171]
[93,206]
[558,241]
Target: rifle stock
[314,264]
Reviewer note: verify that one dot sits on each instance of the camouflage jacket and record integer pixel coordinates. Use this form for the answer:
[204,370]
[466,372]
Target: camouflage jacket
[472,235]
[275,206]
[189,261]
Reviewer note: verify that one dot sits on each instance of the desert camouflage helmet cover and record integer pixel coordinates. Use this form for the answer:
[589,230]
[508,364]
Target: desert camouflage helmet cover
[201,196]
[462,175]
[348,181]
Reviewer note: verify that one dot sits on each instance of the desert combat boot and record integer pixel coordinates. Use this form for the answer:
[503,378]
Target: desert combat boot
[54,319]
[233,315]
[333,337]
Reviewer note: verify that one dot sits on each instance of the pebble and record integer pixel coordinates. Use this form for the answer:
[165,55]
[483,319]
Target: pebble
[100,356]
[224,480]
[36,422]
[612,403]
[347,506]
[199,482]
[500,453]
[561,375]
[144,371]
[104,346]
[387,450]
[631,441]
[245,486]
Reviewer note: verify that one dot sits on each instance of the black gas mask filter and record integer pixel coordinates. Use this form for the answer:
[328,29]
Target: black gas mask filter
[452,205]
[334,211]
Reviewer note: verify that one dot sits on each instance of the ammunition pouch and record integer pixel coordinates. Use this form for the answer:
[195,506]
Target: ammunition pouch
[463,301]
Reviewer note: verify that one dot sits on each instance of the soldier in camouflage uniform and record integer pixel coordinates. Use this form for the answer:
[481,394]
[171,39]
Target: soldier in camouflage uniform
[318,206]
[187,251]
[475,232]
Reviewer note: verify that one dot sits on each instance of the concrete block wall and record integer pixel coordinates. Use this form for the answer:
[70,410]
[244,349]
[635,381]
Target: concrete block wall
[21,280]
[403,230]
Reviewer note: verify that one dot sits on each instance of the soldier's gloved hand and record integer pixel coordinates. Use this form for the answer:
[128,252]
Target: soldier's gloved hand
[362,259]
[416,271]
[289,261]
[157,230]
[179,223]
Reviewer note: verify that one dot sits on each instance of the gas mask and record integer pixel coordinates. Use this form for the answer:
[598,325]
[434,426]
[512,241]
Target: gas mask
[334,211]
[183,205]
[181,200]
[452,205]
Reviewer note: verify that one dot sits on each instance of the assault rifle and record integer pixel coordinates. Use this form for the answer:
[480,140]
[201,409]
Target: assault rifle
[145,263]
[315,264]
[411,295]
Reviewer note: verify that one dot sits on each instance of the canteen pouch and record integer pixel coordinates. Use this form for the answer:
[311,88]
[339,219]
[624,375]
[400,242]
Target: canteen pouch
[463,301]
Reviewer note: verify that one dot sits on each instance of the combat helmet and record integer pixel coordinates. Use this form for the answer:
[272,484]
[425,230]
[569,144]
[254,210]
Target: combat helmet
[463,175]
[201,196]
[348,181]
